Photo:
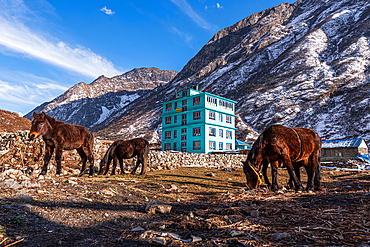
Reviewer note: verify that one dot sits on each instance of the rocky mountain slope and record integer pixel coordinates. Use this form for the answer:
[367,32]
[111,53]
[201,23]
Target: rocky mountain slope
[303,64]
[11,122]
[90,104]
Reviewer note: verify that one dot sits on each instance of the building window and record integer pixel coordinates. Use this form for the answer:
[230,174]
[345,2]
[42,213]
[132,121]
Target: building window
[220,146]
[175,134]
[183,131]
[175,105]
[196,101]
[220,117]
[185,93]
[228,119]
[183,146]
[167,146]
[221,133]
[184,102]
[229,146]
[226,105]
[184,121]
[183,137]
[175,119]
[196,145]
[168,120]
[212,115]
[196,115]
[229,134]
[196,131]
[211,100]
[212,145]
[175,146]
[184,108]
[212,131]
[167,135]
[169,107]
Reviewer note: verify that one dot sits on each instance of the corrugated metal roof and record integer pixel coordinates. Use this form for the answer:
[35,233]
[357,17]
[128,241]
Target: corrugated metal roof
[237,142]
[344,143]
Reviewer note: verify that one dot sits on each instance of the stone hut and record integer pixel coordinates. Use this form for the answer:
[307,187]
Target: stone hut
[340,150]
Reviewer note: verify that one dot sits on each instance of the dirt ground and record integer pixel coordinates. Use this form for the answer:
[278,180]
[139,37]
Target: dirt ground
[212,205]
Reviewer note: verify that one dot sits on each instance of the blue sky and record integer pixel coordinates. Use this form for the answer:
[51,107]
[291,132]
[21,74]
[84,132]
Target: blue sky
[48,46]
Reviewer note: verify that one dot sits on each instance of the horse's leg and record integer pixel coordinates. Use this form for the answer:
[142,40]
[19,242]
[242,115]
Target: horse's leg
[289,165]
[58,159]
[83,156]
[274,173]
[311,166]
[108,164]
[48,153]
[297,171]
[121,165]
[265,165]
[115,160]
[317,178]
[136,166]
[89,153]
[144,164]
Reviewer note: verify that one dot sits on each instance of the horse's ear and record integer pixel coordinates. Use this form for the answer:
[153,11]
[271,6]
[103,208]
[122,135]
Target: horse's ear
[34,114]
[43,115]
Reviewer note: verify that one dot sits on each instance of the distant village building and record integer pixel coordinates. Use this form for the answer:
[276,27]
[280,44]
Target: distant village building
[337,150]
[242,145]
[198,122]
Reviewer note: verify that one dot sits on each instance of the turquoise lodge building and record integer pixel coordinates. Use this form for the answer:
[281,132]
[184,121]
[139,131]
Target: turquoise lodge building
[198,122]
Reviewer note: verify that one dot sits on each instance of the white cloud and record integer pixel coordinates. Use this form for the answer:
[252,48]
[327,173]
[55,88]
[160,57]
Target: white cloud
[187,38]
[16,37]
[107,11]
[24,91]
[219,6]
[188,10]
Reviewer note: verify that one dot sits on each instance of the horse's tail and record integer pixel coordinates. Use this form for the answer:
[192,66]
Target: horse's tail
[108,153]
[104,161]
[145,157]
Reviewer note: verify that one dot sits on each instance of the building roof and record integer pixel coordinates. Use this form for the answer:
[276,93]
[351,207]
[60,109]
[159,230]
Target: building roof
[344,143]
[240,143]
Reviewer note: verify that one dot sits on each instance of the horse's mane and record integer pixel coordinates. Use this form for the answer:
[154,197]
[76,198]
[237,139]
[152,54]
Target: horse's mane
[52,120]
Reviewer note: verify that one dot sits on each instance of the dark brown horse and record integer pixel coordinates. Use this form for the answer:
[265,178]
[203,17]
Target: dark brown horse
[120,150]
[61,136]
[295,147]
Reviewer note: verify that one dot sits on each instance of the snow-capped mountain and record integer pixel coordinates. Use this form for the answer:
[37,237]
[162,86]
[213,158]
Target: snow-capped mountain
[91,104]
[304,64]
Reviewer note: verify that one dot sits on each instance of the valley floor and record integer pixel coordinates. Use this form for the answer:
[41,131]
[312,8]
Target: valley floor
[211,204]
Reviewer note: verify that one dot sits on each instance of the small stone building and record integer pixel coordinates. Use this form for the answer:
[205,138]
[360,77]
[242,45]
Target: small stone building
[340,150]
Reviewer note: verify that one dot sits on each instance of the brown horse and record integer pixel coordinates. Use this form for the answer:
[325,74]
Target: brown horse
[296,147]
[61,136]
[120,150]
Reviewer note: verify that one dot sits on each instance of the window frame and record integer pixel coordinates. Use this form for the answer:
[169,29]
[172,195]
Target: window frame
[196,100]
[196,147]
[212,115]
[229,136]
[214,145]
[195,131]
[167,135]
[212,131]
[196,115]
[169,107]
[168,120]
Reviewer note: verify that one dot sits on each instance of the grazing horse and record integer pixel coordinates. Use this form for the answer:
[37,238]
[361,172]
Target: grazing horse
[120,150]
[61,136]
[296,147]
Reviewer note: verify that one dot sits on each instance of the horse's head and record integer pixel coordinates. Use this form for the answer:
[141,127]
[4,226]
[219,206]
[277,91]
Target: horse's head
[39,125]
[252,175]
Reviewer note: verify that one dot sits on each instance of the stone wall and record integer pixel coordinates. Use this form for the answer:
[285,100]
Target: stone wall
[18,152]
